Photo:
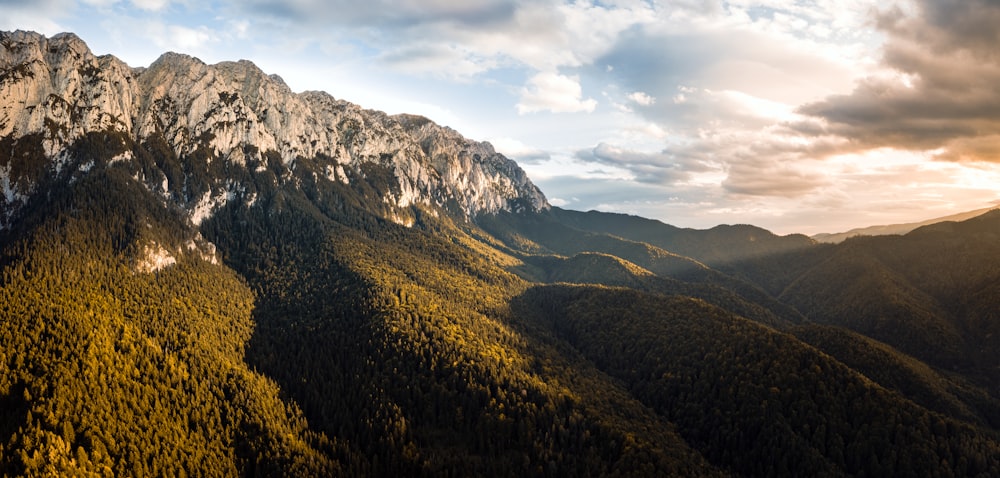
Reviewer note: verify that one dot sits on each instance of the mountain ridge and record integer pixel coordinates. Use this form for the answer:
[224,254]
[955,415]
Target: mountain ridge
[57,89]
[897,229]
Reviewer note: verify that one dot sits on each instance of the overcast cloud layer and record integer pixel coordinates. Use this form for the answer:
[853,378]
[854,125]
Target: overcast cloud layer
[798,116]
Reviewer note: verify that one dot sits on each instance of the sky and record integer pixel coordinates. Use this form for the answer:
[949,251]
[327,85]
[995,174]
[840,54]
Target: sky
[799,116]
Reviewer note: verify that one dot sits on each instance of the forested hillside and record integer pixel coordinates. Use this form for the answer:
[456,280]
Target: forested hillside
[931,293]
[716,246]
[750,398]
[182,301]
[111,368]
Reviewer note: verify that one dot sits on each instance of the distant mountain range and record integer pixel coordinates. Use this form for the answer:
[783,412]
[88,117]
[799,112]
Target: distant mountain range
[899,229]
[203,273]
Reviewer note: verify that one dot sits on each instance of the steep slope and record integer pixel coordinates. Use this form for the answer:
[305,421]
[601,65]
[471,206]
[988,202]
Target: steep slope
[930,293]
[394,341]
[944,392]
[756,401]
[399,340]
[856,289]
[122,350]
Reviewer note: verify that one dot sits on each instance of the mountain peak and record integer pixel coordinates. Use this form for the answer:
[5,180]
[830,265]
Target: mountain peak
[56,91]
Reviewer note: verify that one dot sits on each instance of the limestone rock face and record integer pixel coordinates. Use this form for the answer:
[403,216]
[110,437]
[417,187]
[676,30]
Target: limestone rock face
[57,87]
[55,91]
[474,170]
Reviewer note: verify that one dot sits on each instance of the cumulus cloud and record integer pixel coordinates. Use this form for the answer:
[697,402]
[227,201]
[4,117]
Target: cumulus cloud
[555,93]
[939,88]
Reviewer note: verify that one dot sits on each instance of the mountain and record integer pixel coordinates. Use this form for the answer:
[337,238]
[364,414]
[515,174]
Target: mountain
[204,273]
[209,123]
[716,246]
[929,293]
[897,229]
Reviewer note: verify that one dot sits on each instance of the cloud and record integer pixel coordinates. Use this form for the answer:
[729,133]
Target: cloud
[179,38]
[700,81]
[522,44]
[664,168]
[959,25]
[657,58]
[542,34]
[555,93]
[593,192]
[449,61]
[559,202]
[937,90]
[34,15]
[151,5]
[383,13]
[762,178]
[981,147]
[519,151]
[723,85]
[641,99]
[147,5]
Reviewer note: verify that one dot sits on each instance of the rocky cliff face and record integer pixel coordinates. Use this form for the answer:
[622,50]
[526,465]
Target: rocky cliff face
[54,93]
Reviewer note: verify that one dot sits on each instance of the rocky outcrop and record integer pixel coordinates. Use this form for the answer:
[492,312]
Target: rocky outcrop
[54,91]
[474,169]
[58,88]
